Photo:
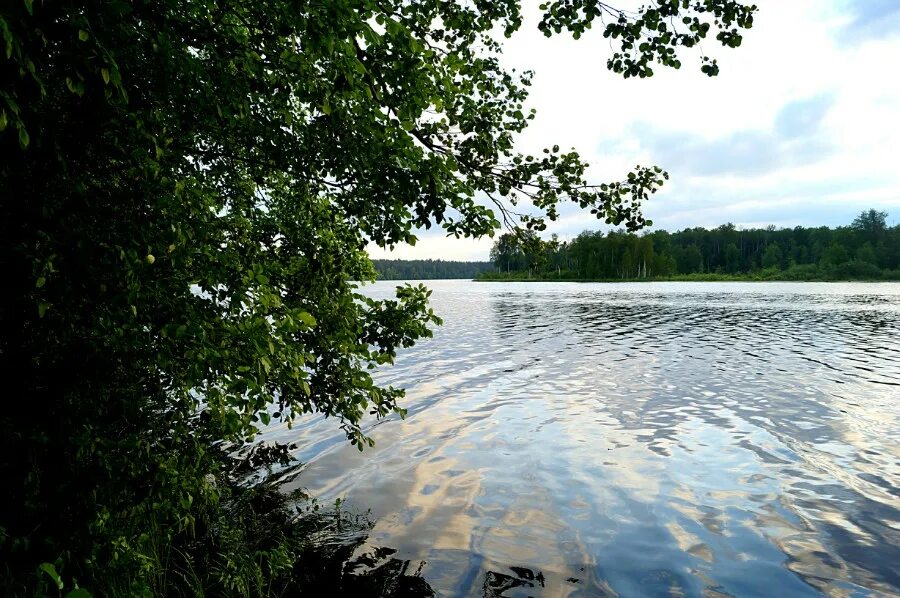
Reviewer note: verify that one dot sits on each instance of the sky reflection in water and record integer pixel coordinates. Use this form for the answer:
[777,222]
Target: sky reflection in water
[639,440]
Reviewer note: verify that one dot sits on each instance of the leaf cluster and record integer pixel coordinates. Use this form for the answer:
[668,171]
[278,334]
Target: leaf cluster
[655,32]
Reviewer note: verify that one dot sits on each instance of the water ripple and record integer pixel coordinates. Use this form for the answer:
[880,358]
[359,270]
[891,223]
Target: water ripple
[636,440]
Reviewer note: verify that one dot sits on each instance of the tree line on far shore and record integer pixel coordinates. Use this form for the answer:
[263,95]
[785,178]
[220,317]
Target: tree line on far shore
[867,249]
[428,269]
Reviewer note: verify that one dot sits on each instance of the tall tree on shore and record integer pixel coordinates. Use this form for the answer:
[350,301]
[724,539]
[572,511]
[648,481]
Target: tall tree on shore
[505,253]
[871,222]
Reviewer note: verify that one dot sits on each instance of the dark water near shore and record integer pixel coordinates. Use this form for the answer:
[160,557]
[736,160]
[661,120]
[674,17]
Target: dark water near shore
[636,440]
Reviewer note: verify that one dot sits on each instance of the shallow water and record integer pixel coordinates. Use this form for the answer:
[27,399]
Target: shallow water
[636,440]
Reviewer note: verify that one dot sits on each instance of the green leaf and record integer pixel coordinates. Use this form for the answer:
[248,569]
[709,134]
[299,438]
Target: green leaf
[104,72]
[42,309]
[78,593]
[24,139]
[3,120]
[50,570]
[40,282]
[83,35]
[29,7]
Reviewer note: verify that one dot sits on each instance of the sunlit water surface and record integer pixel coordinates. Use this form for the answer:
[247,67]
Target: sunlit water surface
[634,440]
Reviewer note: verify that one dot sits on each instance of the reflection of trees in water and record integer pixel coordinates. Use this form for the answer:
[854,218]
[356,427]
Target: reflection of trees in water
[340,560]
[495,584]
[340,569]
[334,568]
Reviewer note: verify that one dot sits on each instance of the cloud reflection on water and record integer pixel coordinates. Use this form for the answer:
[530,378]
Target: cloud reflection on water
[638,440]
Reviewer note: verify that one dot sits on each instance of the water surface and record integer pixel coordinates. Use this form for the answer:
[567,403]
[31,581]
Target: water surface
[636,440]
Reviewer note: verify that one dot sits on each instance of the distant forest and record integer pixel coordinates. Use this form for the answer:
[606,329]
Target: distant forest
[428,269]
[867,249]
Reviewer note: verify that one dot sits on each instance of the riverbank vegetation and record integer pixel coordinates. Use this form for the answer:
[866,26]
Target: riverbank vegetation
[867,249]
[188,188]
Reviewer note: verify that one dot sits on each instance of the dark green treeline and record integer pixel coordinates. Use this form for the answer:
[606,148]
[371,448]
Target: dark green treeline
[867,249]
[428,269]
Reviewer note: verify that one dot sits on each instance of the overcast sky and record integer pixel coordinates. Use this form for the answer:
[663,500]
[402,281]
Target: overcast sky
[802,126]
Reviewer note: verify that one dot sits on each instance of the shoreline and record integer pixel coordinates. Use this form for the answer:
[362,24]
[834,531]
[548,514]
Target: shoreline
[685,279]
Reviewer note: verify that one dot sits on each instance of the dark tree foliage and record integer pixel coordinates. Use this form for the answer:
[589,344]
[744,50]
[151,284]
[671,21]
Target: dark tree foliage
[428,269]
[871,222]
[868,249]
[520,250]
[188,187]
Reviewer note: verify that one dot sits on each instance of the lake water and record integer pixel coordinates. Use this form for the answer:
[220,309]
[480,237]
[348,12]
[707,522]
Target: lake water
[635,440]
